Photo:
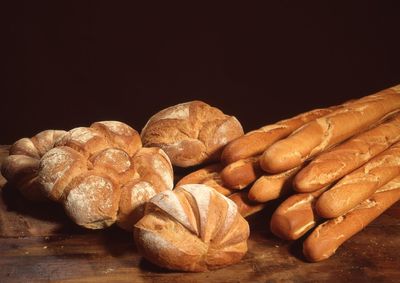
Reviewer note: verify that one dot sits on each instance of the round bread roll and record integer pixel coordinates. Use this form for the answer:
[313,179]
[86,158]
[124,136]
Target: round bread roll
[191,133]
[21,167]
[91,200]
[192,228]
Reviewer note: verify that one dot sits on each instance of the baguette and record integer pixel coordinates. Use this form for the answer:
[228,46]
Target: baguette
[322,133]
[341,160]
[295,216]
[269,187]
[246,207]
[256,142]
[327,237]
[360,184]
[210,176]
[241,173]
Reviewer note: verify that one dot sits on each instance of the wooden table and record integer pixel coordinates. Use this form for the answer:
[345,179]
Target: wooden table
[39,243]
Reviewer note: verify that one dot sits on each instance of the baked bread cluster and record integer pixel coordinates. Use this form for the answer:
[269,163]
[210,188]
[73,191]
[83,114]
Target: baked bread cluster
[334,169]
[101,174]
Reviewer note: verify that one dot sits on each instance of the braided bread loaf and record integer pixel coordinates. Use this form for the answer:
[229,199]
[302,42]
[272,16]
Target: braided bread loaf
[191,133]
[100,174]
[192,228]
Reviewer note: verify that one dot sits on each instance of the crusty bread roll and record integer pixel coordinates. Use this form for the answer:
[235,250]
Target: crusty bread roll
[341,160]
[91,199]
[100,174]
[269,187]
[360,184]
[210,176]
[20,168]
[192,228]
[327,237]
[322,133]
[191,133]
[256,142]
[241,173]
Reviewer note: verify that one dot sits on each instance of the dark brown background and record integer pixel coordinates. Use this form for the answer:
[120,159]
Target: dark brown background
[70,64]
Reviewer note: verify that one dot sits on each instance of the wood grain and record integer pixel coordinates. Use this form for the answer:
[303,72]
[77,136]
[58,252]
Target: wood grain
[39,243]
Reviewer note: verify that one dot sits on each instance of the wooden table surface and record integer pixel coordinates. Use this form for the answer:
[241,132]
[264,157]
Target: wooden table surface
[39,243]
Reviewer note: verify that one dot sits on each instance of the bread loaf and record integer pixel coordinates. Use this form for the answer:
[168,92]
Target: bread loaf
[100,174]
[296,215]
[191,133]
[341,160]
[256,142]
[269,187]
[192,228]
[360,184]
[327,237]
[322,133]
[241,173]
[21,167]
[210,176]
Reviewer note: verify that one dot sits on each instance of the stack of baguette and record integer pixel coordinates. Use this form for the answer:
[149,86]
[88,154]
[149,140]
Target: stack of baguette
[335,170]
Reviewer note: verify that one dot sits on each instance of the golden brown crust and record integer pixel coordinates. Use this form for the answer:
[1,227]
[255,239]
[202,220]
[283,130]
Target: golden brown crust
[241,173]
[21,167]
[341,160]
[322,133]
[360,184]
[269,187]
[86,169]
[256,142]
[155,175]
[295,216]
[191,133]
[120,135]
[193,228]
[209,175]
[327,237]
[91,200]
[246,207]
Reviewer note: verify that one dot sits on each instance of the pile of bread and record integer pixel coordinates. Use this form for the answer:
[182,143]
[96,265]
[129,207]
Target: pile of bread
[334,171]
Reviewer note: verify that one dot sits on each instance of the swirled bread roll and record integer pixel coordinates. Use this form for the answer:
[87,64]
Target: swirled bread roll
[192,228]
[191,133]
